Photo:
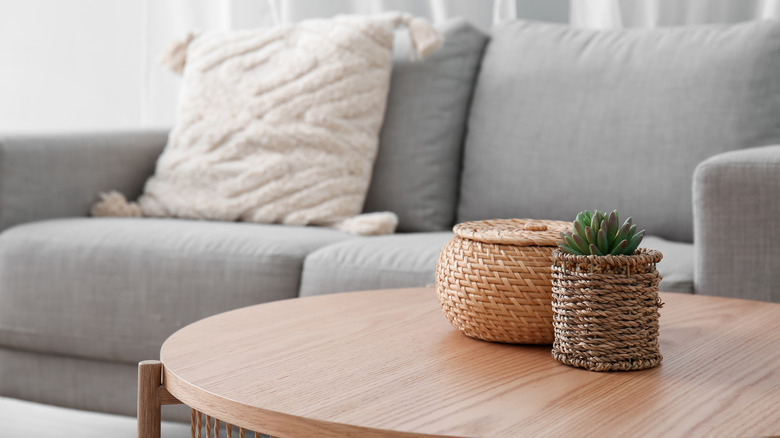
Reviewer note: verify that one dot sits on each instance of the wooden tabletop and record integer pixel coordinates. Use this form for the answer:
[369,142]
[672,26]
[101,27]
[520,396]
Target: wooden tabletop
[387,363]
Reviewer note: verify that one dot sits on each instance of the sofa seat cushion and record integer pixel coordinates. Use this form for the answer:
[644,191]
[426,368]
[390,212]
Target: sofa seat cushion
[380,262]
[84,384]
[409,260]
[115,289]
[676,267]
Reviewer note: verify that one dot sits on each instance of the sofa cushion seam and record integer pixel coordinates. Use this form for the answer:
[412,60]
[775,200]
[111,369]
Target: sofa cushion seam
[200,254]
[367,269]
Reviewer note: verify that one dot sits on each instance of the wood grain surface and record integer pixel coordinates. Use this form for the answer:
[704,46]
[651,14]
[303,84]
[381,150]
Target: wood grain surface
[387,363]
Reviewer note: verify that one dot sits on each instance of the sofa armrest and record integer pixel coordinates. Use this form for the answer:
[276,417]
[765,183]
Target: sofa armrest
[51,176]
[736,209]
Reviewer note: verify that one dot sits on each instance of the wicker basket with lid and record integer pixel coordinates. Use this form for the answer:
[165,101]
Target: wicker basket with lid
[493,279]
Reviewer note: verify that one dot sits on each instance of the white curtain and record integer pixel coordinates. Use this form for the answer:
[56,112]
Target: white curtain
[611,14]
[166,20]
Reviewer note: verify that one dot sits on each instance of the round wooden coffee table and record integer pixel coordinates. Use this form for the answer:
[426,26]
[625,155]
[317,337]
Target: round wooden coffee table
[387,363]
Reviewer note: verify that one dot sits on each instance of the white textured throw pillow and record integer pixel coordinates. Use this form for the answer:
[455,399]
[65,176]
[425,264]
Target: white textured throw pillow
[278,125]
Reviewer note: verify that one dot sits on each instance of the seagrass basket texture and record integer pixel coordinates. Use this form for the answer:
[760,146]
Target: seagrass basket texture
[605,310]
[493,279]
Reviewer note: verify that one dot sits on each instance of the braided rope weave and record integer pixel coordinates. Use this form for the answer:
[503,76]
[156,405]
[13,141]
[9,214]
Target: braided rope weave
[605,310]
[212,428]
[499,292]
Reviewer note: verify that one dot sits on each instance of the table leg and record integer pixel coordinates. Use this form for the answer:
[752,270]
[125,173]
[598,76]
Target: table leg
[149,380]
[152,395]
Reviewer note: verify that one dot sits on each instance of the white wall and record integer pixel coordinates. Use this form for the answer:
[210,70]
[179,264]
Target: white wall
[70,65]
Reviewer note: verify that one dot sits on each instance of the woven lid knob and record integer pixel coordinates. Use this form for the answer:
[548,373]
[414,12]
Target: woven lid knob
[520,232]
[535,226]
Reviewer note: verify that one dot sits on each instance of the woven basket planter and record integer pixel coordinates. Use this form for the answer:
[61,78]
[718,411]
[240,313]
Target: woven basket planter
[493,279]
[605,310]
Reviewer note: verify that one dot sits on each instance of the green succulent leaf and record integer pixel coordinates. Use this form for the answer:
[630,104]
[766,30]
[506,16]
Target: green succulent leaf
[622,233]
[579,229]
[568,249]
[582,218]
[619,247]
[612,227]
[595,221]
[598,233]
[590,235]
[601,239]
[634,242]
[569,241]
[588,215]
[582,245]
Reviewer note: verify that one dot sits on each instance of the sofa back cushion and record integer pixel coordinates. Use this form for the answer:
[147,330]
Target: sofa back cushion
[568,119]
[416,173]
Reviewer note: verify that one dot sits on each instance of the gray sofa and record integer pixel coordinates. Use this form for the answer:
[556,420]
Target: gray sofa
[537,121]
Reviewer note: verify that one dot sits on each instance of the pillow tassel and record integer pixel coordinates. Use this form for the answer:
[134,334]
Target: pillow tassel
[114,204]
[369,224]
[175,55]
[425,38]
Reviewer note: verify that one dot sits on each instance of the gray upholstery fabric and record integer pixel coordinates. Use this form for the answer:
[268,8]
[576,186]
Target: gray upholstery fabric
[75,383]
[43,177]
[407,260]
[737,221]
[676,267]
[567,119]
[115,289]
[398,260]
[418,164]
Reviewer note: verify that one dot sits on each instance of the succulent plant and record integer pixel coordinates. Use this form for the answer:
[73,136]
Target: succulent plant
[599,234]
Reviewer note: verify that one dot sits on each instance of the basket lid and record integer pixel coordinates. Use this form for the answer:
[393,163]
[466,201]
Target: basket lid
[520,232]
